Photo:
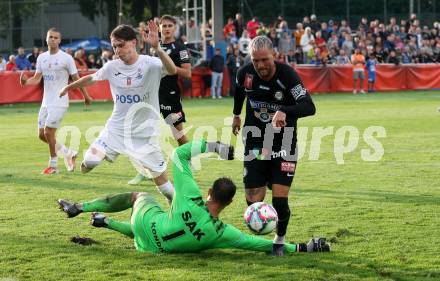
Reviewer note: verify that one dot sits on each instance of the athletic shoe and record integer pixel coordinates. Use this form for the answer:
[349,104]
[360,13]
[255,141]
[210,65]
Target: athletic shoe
[362,92]
[98,220]
[225,151]
[277,250]
[354,92]
[49,171]
[69,161]
[139,178]
[69,208]
[318,245]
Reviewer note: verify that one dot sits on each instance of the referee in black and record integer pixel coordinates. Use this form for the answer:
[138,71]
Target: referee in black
[170,101]
[276,98]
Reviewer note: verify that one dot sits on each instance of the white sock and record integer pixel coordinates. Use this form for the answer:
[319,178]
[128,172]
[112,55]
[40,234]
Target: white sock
[61,148]
[53,162]
[278,240]
[167,190]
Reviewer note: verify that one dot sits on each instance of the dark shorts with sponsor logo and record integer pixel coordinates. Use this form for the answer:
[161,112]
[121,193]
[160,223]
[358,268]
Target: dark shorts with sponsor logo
[265,170]
[172,113]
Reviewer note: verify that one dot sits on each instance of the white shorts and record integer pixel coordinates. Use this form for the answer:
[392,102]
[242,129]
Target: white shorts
[144,153]
[51,116]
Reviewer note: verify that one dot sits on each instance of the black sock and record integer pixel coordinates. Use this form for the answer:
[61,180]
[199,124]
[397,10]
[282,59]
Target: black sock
[281,205]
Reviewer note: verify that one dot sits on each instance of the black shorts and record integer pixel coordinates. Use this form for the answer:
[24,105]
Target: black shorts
[173,113]
[261,172]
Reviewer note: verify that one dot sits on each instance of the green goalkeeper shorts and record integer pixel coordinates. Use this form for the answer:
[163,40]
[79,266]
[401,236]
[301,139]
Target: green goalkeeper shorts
[145,208]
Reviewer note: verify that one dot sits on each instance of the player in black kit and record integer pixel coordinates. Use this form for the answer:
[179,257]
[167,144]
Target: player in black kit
[276,98]
[169,92]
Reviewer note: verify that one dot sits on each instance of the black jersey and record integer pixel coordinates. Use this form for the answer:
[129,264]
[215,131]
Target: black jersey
[284,92]
[179,55]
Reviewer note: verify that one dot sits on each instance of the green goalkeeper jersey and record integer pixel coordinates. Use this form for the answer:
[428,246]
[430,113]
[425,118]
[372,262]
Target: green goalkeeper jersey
[188,226]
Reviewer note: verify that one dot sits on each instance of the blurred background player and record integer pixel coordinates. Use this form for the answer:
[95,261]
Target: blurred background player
[191,224]
[170,100]
[133,128]
[55,67]
[276,98]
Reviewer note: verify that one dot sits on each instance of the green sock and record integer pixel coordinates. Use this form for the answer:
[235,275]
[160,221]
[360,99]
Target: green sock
[109,204]
[121,227]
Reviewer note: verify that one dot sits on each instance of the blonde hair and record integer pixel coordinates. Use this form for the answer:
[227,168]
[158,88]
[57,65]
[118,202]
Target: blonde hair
[259,43]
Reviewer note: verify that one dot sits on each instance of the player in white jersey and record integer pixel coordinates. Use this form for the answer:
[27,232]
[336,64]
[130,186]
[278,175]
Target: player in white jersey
[133,128]
[55,67]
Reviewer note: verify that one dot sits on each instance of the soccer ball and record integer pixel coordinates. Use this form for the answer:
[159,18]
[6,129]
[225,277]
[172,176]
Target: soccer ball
[260,218]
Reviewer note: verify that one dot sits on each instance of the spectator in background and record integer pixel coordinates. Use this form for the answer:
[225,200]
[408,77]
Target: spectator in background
[252,27]
[364,24]
[2,63]
[325,32]
[290,57]
[344,27]
[380,54]
[358,61]
[406,55]
[306,22]
[298,33]
[217,65]
[392,58]
[314,24]
[332,56]
[69,51]
[143,47]
[21,61]
[273,36]
[285,43]
[80,63]
[33,57]
[348,45]
[333,41]
[424,57]
[193,33]
[91,62]
[238,25]
[243,44]
[307,41]
[11,66]
[228,29]
[233,62]
[321,44]
[283,27]
[106,56]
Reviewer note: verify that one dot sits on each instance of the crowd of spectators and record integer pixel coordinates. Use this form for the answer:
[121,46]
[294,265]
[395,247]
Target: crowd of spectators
[330,42]
[309,42]
[83,62]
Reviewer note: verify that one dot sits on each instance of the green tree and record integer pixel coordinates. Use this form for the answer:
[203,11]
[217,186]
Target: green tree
[133,10]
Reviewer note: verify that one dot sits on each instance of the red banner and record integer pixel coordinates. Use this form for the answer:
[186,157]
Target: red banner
[317,79]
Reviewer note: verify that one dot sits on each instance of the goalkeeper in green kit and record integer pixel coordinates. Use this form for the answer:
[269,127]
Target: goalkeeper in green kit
[191,224]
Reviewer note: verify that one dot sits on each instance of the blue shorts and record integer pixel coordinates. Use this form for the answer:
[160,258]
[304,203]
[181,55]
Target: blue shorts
[371,76]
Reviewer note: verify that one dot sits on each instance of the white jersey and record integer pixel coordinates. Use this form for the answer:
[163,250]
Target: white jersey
[56,70]
[135,92]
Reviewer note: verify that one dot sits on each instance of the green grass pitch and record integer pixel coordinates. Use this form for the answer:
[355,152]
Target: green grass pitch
[381,217]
